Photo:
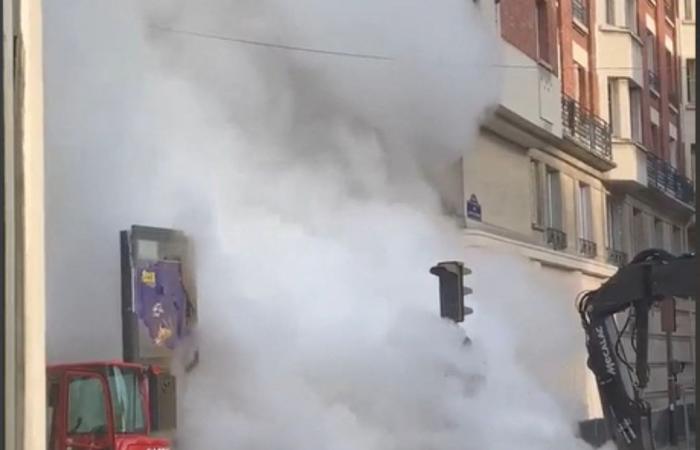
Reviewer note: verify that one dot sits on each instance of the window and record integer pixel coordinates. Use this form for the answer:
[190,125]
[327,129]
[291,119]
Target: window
[673,152]
[613,102]
[537,193]
[584,211]
[635,94]
[87,413]
[639,241]
[676,242]
[650,44]
[658,233]
[692,162]
[543,31]
[631,20]
[690,74]
[580,11]
[614,224]
[554,206]
[126,401]
[670,73]
[610,12]
[655,138]
[581,86]
[689,9]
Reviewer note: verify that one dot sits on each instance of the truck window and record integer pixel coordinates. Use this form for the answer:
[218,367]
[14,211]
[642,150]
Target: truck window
[87,412]
[127,401]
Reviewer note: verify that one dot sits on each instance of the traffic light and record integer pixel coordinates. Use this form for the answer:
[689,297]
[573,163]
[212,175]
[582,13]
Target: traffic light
[452,289]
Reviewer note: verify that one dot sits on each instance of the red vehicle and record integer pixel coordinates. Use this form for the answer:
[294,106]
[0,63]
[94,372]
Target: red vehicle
[107,406]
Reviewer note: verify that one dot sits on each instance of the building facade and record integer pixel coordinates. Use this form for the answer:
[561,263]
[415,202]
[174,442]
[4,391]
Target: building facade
[587,159]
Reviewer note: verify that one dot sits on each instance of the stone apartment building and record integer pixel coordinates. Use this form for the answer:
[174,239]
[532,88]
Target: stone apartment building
[588,158]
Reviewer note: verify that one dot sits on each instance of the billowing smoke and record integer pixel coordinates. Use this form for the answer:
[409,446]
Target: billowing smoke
[308,148]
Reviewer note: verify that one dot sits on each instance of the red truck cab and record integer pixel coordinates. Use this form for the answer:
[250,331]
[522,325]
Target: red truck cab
[100,406]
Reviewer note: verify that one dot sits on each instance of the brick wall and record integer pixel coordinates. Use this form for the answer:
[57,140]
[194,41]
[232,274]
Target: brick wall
[585,38]
[668,80]
[519,27]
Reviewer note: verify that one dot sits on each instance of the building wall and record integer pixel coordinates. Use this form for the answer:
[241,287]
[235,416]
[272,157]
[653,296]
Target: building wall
[529,126]
[686,44]
[505,202]
[578,46]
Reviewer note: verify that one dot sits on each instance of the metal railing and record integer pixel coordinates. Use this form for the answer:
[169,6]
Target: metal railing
[587,248]
[556,238]
[580,11]
[664,177]
[617,257]
[587,129]
[654,81]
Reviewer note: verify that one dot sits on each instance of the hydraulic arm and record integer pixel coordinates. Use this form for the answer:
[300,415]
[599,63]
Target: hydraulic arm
[650,277]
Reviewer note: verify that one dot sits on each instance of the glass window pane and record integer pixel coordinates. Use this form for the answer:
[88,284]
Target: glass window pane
[127,401]
[86,406]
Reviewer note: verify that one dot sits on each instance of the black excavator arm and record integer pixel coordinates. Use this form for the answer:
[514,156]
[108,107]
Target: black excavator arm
[650,277]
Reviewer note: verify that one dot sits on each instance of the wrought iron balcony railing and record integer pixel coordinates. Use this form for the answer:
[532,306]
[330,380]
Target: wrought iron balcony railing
[580,11]
[617,257]
[556,238]
[654,81]
[587,248]
[663,176]
[587,129]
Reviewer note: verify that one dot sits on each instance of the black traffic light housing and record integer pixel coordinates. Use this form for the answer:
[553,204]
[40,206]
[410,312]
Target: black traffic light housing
[452,289]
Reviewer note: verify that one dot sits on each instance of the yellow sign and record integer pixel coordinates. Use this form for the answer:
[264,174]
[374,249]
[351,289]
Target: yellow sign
[148,278]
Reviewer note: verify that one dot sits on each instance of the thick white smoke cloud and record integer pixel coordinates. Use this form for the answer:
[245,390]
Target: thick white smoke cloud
[308,182]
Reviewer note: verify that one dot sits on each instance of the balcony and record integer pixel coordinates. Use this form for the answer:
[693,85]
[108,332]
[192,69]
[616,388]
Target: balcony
[556,238]
[580,11]
[586,129]
[587,248]
[654,82]
[617,257]
[664,177]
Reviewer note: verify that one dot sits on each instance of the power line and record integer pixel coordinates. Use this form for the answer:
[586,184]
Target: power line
[273,45]
[359,55]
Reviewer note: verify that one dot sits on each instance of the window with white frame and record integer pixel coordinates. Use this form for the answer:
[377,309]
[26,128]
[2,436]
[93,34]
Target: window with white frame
[584,211]
[689,10]
[543,43]
[673,152]
[639,239]
[692,163]
[690,79]
[610,12]
[613,103]
[631,18]
[614,228]
[537,193]
[635,94]
[676,240]
[658,233]
[655,147]
[554,199]
[650,45]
